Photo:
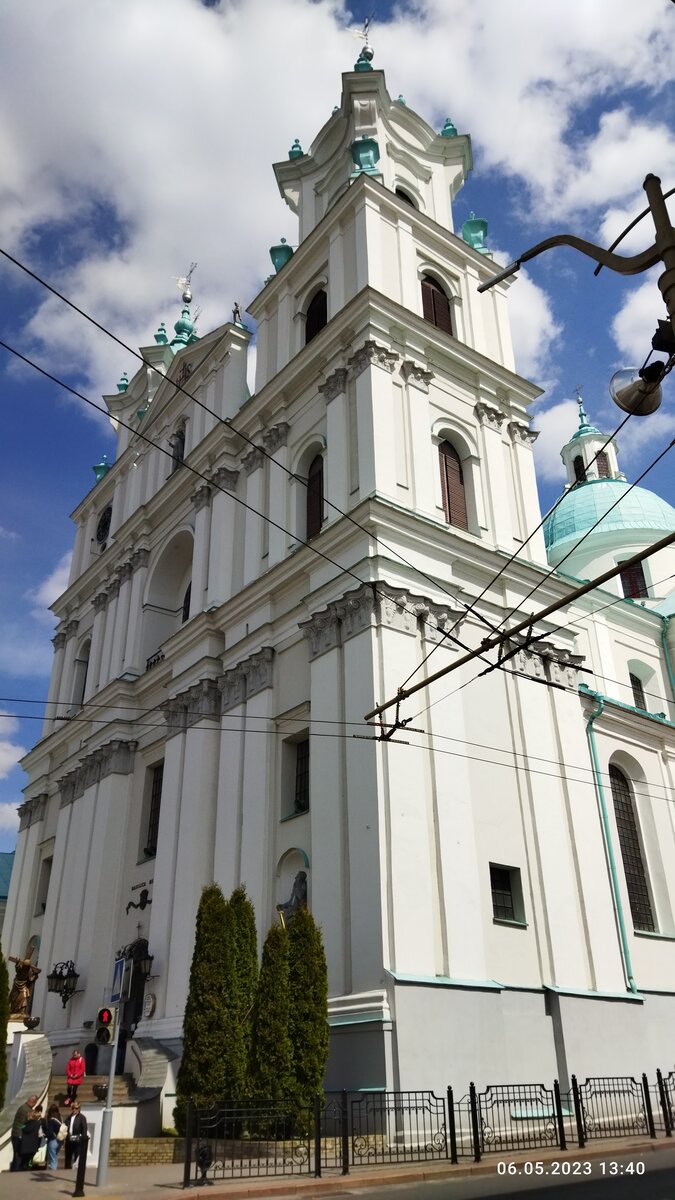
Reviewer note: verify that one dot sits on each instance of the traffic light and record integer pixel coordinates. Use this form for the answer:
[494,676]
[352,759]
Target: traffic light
[105,1023]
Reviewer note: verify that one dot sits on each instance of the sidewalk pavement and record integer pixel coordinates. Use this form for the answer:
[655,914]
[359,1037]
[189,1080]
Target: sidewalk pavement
[152,1183]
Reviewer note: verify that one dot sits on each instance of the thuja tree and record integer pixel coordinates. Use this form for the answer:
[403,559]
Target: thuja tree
[271,1048]
[4,1021]
[240,993]
[308,1011]
[205,1027]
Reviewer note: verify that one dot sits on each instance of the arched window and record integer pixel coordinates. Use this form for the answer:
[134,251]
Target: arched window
[631,851]
[603,465]
[579,469]
[637,688]
[185,615]
[633,582]
[435,305]
[317,315]
[452,486]
[314,497]
[405,197]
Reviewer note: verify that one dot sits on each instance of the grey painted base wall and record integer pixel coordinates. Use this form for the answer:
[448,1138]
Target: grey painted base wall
[453,1035]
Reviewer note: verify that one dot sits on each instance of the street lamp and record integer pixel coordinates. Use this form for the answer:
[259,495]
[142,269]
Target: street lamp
[62,980]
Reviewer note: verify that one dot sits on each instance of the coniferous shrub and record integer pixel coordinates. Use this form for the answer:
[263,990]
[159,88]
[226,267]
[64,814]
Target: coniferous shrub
[271,1049]
[308,1013]
[205,1027]
[240,993]
[4,1021]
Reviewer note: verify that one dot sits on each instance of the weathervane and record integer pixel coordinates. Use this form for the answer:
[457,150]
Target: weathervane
[183,282]
[367,52]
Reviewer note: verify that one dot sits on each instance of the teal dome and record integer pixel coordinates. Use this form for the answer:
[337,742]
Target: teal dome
[639,511]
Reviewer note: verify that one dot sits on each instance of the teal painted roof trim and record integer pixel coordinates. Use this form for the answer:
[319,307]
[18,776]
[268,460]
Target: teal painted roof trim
[589,502]
[445,981]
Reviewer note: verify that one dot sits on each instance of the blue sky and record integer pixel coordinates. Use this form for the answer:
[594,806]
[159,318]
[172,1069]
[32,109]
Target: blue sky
[137,138]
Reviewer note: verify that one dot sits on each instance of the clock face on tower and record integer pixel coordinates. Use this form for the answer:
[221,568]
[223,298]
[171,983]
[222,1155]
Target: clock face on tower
[103,527]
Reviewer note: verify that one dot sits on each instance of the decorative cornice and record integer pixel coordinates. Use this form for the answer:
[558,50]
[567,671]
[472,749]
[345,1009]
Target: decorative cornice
[59,640]
[233,688]
[487,415]
[334,384]
[198,703]
[547,662]
[413,373]
[371,605]
[226,478]
[253,460]
[125,572]
[201,498]
[140,558]
[71,628]
[247,678]
[276,436]
[32,810]
[114,589]
[522,433]
[114,758]
[371,354]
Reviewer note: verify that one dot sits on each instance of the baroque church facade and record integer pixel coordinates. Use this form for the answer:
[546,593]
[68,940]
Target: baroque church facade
[254,573]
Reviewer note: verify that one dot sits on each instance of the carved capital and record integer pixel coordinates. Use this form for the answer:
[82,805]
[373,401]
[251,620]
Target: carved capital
[201,497]
[413,373]
[322,631]
[59,640]
[548,662]
[232,686]
[371,354]
[225,478]
[203,702]
[487,415]
[258,671]
[114,589]
[522,433]
[71,629]
[114,758]
[125,572]
[276,436]
[32,810]
[140,558]
[253,460]
[376,604]
[334,384]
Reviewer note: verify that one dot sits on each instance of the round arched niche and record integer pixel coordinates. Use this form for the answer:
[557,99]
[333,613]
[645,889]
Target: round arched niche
[165,594]
[291,863]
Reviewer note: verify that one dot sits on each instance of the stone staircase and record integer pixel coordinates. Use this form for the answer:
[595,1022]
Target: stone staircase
[93,1090]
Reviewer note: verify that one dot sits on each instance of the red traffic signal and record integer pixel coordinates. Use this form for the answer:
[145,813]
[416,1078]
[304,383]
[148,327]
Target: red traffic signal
[105,1022]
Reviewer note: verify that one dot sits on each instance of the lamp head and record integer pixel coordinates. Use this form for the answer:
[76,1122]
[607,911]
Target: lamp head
[638,392]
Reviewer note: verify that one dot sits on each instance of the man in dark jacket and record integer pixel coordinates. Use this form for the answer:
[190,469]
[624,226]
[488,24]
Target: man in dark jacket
[77,1135]
[20,1118]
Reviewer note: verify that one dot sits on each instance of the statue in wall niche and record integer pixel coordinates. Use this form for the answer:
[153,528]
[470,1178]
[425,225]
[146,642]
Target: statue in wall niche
[21,991]
[298,899]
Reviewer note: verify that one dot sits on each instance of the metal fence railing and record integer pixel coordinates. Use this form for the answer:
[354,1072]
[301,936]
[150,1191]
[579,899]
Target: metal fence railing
[343,1130]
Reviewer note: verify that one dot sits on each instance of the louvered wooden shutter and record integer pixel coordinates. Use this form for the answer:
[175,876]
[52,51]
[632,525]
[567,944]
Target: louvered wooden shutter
[435,305]
[452,486]
[428,301]
[603,465]
[314,497]
[579,469]
[633,582]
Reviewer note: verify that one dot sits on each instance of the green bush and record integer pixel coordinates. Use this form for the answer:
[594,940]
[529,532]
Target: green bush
[240,993]
[271,1051]
[308,1011]
[4,1021]
[205,1028]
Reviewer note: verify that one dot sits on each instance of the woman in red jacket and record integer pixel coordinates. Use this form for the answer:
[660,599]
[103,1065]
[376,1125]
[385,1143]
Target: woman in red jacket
[74,1075]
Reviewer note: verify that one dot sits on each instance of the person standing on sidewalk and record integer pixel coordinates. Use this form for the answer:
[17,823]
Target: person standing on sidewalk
[77,1133]
[52,1129]
[20,1118]
[74,1075]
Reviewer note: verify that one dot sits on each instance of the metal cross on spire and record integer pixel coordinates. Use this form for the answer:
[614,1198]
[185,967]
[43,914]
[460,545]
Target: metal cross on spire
[183,282]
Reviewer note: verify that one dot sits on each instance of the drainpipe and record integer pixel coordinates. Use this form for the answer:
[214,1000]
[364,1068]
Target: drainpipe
[666,653]
[614,881]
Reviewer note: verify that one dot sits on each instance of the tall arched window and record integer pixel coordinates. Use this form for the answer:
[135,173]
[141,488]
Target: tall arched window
[314,497]
[316,316]
[579,469]
[435,305]
[603,464]
[404,196]
[452,486]
[631,851]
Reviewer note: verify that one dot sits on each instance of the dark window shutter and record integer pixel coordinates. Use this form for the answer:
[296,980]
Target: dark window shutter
[185,614]
[579,469]
[633,582]
[452,486]
[603,465]
[631,851]
[435,305]
[314,497]
[638,691]
[317,315]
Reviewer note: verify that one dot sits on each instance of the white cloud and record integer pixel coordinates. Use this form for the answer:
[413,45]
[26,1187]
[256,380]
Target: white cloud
[8,535]
[10,751]
[635,323]
[49,590]
[533,326]
[556,426]
[9,818]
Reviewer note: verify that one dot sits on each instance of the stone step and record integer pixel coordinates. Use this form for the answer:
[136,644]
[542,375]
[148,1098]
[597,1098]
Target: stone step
[93,1090]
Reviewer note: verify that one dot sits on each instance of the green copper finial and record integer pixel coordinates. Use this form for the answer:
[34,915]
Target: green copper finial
[280,254]
[583,415]
[474,232]
[401,100]
[449,130]
[365,156]
[161,336]
[296,150]
[123,383]
[184,328]
[102,468]
[364,61]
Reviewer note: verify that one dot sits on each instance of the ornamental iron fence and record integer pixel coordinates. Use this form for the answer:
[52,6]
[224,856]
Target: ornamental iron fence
[343,1130]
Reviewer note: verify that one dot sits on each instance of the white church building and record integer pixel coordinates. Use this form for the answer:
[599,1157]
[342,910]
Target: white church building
[254,573]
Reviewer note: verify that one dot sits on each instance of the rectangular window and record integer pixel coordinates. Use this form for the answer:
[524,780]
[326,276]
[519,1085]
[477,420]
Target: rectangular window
[43,886]
[507,894]
[638,692]
[152,828]
[633,582]
[301,795]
